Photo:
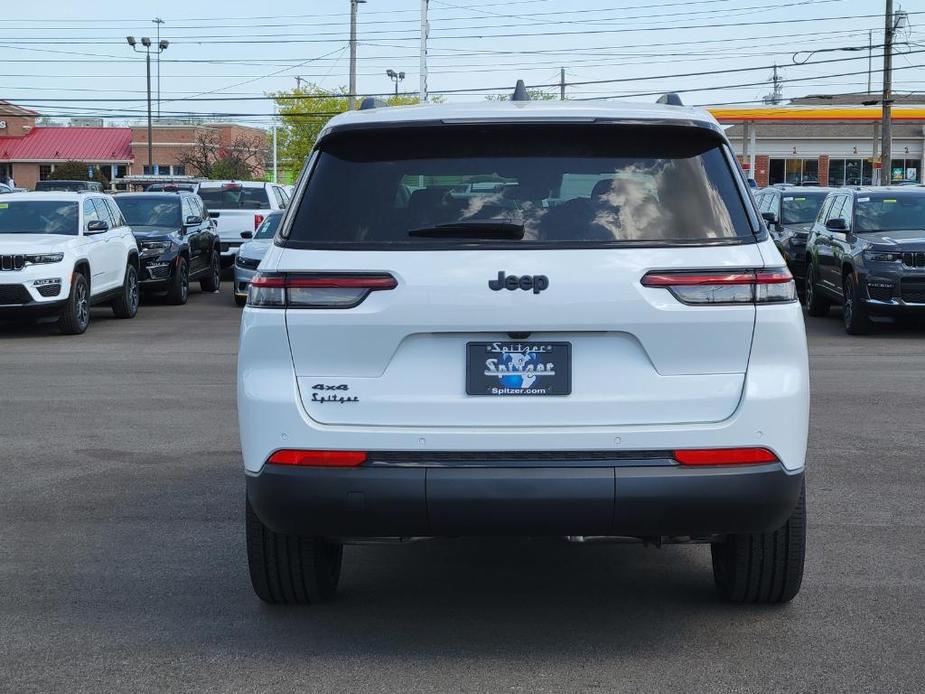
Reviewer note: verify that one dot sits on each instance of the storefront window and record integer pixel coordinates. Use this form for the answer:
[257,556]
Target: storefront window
[794,171]
[45,171]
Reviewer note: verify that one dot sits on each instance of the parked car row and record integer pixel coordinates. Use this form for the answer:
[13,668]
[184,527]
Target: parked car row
[63,252]
[862,248]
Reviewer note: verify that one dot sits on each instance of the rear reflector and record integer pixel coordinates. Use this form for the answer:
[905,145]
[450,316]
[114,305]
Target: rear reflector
[725,456]
[318,458]
[774,285]
[315,290]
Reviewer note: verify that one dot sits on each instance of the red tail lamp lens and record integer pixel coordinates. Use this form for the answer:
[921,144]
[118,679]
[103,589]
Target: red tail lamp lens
[725,456]
[258,220]
[318,458]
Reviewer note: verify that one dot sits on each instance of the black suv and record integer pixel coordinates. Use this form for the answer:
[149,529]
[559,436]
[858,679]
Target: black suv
[176,242]
[790,213]
[866,251]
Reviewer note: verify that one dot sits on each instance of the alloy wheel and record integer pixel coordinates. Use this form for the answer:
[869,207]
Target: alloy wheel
[82,304]
[133,294]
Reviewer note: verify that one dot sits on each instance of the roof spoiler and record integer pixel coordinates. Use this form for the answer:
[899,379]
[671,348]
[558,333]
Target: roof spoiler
[520,92]
[372,102]
[670,99]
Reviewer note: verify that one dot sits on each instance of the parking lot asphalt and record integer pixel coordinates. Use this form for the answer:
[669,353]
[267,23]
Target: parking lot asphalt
[122,561]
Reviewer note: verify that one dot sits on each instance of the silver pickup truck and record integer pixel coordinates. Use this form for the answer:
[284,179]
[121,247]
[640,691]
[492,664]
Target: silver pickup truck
[239,207]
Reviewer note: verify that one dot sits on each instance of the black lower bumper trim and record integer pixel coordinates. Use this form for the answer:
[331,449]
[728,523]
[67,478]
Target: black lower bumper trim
[458,501]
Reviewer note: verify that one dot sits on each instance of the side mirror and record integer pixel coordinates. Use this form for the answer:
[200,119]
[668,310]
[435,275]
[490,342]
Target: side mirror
[770,218]
[837,224]
[214,215]
[97,226]
[247,234]
[193,220]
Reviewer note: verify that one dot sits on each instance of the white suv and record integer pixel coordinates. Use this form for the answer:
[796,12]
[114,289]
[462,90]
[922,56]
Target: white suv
[60,253]
[603,343]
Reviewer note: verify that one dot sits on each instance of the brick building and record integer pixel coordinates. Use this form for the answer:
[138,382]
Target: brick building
[29,152]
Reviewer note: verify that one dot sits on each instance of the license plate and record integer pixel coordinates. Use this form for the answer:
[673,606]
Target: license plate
[518,368]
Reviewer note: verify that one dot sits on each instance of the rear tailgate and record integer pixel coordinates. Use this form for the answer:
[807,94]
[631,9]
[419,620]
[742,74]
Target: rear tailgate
[638,356]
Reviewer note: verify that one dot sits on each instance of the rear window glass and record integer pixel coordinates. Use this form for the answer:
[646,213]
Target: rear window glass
[889,212]
[38,217]
[559,185]
[235,198]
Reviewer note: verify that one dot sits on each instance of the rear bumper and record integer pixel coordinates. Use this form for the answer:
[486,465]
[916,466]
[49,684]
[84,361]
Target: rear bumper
[643,501]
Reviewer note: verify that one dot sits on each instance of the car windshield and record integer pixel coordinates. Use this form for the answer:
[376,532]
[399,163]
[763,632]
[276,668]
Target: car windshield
[267,230]
[38,217]
[801,208]
[889,212]
[153,211]
[234,197]
[551,184]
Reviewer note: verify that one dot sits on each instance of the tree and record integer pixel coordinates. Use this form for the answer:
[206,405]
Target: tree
[305,111]
[243,159]
[77,171]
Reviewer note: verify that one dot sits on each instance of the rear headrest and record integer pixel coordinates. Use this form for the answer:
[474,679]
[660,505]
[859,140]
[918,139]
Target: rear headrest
[601,188]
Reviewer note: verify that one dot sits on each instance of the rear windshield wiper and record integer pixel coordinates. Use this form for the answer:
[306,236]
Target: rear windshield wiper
[472,230]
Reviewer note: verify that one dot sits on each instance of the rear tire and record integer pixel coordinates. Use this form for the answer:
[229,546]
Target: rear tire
[213,282]
[178,289]
[75,317]
[288,569]
[763,567]
[816,304]
[126,306]
[854,314]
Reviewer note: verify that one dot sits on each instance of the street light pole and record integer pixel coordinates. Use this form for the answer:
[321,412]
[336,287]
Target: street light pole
[150,142]
[396,77]
[161,47]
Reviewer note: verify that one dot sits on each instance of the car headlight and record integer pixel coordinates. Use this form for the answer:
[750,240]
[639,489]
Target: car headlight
[44,258]
[882,256]
[153,248]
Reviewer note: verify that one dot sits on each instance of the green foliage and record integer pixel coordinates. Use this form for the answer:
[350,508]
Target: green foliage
[304,112]
[77,171]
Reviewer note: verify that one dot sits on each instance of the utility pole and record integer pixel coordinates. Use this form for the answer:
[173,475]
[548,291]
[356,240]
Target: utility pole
[275,157]
[870,57]
[425,28]
[298,83]
[353,53]
[561,84]
[886,145]
[158,21]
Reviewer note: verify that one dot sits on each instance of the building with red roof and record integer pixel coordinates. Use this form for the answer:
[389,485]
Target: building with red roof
[29,152]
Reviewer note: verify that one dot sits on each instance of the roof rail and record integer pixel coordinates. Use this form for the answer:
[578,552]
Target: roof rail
[520,92]
[670,99]
[371,102]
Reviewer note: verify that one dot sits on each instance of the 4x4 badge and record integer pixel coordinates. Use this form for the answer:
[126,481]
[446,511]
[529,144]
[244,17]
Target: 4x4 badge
[526,282]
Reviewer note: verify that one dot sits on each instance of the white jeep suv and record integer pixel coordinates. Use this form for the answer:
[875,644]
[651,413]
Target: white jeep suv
[598,341]
[60,253]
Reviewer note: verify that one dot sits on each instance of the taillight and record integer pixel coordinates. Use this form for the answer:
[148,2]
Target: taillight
[318,458]
[725,456]
[317,290]
[258,220]
[774,285]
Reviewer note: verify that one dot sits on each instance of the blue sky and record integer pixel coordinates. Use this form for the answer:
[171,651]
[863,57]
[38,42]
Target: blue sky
[63,57]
